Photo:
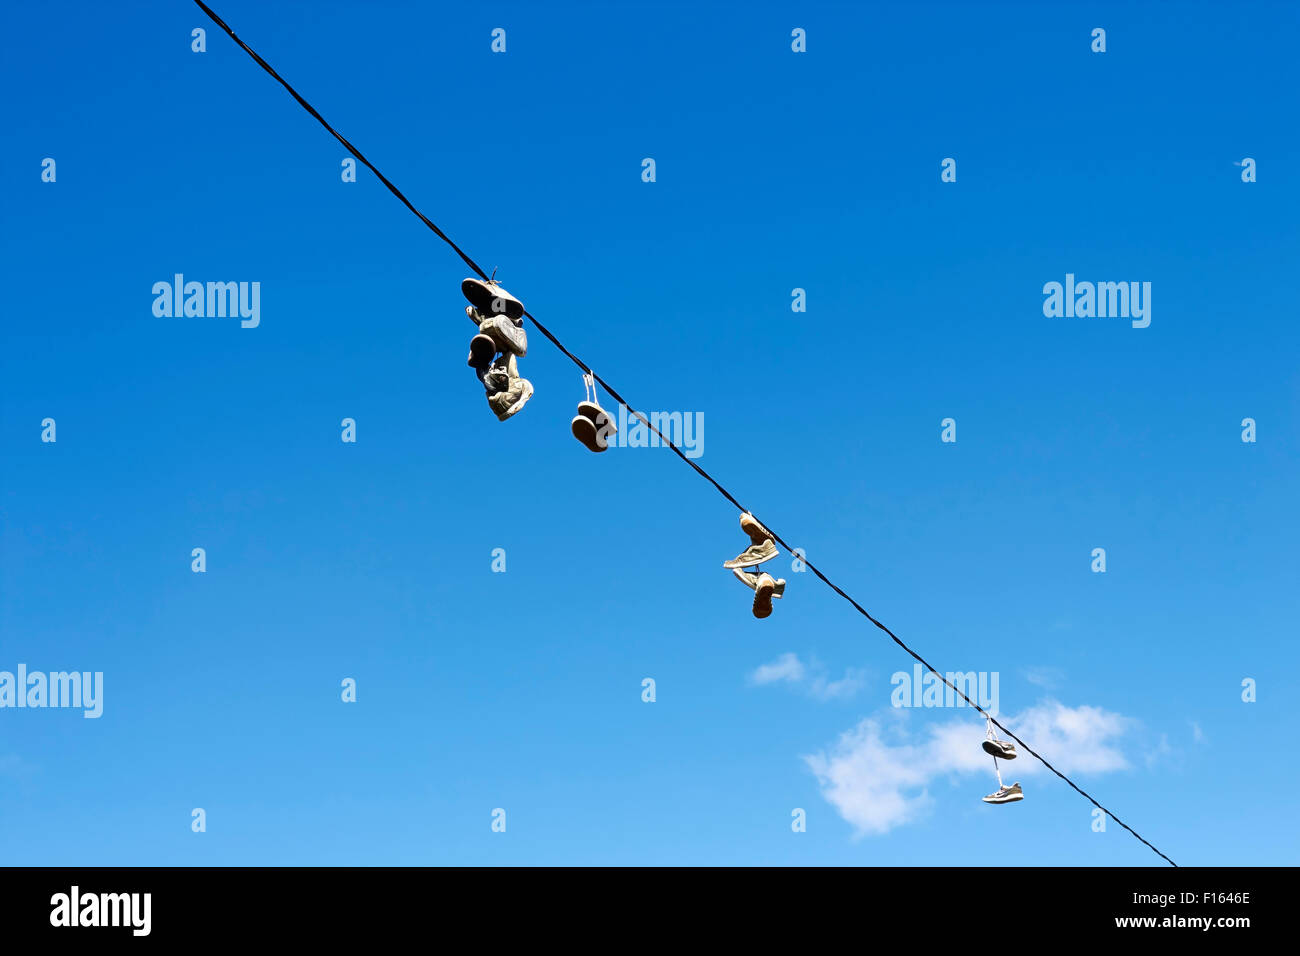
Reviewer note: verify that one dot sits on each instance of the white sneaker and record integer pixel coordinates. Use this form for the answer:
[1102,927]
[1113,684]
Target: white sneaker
[755,554]
[1006,794]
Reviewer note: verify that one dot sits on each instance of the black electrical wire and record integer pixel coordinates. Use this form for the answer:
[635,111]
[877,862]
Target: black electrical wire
[680,454]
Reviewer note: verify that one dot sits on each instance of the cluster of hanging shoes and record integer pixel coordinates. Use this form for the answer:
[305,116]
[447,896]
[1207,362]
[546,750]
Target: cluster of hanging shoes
[761,548]
[499,343]
[494,352]
[1005,750]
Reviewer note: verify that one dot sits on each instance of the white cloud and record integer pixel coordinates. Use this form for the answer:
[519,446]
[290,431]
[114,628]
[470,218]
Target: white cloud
[876,775]
[874,784]
[1161,751]
[787,667]
[846,686]
[1076,740]
[1046,677]
[811,677]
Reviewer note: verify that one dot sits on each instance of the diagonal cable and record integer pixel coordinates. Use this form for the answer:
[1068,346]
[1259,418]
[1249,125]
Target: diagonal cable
[669,442]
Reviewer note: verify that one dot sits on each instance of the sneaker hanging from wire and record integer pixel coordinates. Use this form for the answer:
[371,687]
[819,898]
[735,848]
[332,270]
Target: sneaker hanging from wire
[505,334]
[489,298]
[482,350]
[762,547]
[1006,794]
[765,588]
[508,400]
[1003,749]
[592,425]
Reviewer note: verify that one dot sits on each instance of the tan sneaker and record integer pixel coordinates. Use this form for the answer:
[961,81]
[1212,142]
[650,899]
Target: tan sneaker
[516,392]
[507,336]
[754,554]
[757,533]
[762,547]
[765,588]
[514,398]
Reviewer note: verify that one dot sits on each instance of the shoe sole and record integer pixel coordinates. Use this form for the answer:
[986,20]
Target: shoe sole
[597,416]
[584,429]
[763,597]
[997,751]
[757,533]
[481,352]
[483,296]
[1011,799]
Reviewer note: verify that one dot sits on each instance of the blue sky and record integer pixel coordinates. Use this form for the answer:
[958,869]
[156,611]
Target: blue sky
[522,690]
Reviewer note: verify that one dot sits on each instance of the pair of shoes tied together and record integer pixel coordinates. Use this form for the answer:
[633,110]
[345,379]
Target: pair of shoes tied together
[592,425]
[1000,750]
[761,548]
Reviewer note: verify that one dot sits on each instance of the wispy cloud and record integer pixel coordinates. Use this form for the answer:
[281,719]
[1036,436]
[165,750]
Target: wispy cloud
[876,775]
[1048,678]
[848,685]
[811,678]
[787,667]
[1159,752]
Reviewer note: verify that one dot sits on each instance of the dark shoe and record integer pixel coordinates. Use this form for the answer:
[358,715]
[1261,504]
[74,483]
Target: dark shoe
[1002,749]
[598,416]
[490,299]
[481,352]
[584,429]
[592,426]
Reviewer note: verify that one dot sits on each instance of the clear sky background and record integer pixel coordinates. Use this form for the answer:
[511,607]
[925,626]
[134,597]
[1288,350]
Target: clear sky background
[522,690]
